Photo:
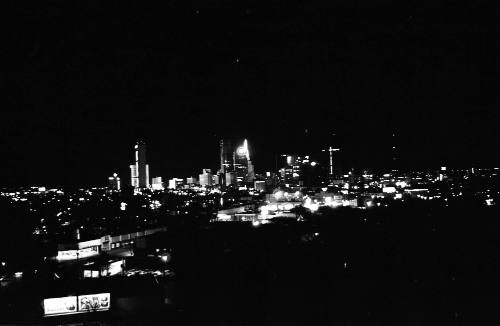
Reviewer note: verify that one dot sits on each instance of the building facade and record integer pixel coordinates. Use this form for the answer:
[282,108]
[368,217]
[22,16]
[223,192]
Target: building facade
[139,171]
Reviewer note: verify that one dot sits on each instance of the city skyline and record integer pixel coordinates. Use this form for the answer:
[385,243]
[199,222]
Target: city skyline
[201,75]
[284,162]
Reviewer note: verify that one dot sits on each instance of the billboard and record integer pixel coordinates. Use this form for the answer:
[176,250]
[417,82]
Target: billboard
[77,253]
[60,306]
[93,302]
[76,304]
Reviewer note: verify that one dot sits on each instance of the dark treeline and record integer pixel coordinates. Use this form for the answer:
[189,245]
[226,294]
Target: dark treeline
[423,265]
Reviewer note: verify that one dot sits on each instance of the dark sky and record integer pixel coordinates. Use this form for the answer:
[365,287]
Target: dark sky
[85,79]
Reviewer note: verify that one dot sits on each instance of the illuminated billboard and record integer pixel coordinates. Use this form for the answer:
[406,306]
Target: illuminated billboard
[60,306]
[77,254]
[93,302]
[76,304]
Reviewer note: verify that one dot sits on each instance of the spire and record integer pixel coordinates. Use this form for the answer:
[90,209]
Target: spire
[245,146]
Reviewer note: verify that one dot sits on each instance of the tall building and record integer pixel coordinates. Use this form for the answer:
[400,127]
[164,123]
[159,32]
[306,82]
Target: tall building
[230,179]
[226,156]
[114,182]
[243,166]
[235,163]
[139,172]
[241,162]
[206,178]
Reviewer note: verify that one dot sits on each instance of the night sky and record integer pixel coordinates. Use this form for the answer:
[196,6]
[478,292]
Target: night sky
[83,80]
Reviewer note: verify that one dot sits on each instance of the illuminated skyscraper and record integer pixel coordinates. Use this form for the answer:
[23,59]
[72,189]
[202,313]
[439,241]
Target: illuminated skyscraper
[226,156]
[139,172]
[243,166]
[235,163]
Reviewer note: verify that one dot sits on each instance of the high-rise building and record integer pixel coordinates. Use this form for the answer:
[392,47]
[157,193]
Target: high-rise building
[139,172]
[230,179]
[241,158]
[226,156]
[243,166]
[206,178]
[114,182]
[235,160]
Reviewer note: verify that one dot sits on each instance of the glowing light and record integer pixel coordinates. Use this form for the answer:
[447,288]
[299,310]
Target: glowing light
[389,190]
[256,223]
[123,206]
[241,151]
[401,184]
[313,163]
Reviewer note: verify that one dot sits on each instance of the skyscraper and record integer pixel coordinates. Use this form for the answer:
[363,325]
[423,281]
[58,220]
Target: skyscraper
[139,172]
[243,165]
[235,163]
[226,156]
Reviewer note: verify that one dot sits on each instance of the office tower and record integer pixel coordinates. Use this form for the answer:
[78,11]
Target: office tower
[216,179]
[206,178]
[292,172]
[243,166]
[191,180]
[226,156]
[230,179]
[175,183]
[157,184]
[114,182]
[139,171]
[251,172]
[134,176]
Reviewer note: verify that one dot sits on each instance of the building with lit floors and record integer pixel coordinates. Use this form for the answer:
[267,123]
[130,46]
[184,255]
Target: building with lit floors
[243,166]
[226,156]
[114,182]
[206,178]
[139,171]
[157,184]
[236,168]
